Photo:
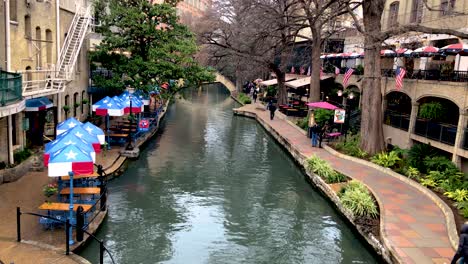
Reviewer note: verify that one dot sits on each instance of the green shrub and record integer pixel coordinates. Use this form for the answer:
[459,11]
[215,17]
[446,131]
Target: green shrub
[303,123]
[244,99]
[271,91]
[412,173]
[2,165]
[323,115]
[22,155]
[428,182]
[463,206]
[324,170]
[358,200]
[458,195]
[417,154]
[351,147]
[438,163]
[386,160]
[432,110]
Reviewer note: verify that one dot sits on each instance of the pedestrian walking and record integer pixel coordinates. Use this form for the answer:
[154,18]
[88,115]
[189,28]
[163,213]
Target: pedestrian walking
[462,251]
[254,96]
[315,134]
[272,109]
[323,132]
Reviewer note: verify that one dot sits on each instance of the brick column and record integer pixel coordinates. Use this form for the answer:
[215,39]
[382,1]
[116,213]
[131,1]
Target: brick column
[414,115]
[459,138]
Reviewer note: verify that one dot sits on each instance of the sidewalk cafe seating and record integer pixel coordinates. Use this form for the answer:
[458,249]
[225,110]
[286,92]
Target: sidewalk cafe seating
[59,211]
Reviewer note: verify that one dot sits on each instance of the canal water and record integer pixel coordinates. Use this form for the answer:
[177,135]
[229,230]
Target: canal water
[216,188]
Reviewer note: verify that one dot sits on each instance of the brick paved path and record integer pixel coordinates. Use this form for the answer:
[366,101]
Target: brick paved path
[413,225]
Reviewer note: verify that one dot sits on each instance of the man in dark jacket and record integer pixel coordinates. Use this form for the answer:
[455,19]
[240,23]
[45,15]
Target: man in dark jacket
[271,106]
[462,251]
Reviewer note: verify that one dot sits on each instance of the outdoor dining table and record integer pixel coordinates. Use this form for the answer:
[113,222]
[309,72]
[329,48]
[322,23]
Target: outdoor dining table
[81,176]
[81,190]
[63,206]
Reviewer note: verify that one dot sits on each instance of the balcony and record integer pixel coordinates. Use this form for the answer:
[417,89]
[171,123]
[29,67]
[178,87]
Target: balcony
[397,120]
[10,88]
[440,132]
[434,75]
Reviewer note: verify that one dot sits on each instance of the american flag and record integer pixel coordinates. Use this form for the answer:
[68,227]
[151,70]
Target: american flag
[308,71]
[302,70]
[347,76]
[400,74]
[337,70]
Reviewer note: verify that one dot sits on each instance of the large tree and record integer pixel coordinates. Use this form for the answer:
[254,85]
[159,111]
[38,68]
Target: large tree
[144,45]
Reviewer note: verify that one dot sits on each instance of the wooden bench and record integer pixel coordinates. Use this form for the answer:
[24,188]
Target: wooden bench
[81,190]
[81,176]
[63,207]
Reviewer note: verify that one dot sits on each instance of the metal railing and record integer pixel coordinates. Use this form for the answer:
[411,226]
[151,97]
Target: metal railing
[440,132]
[41,82]
[10,87]
[68,225]
[434,75]
[397,120]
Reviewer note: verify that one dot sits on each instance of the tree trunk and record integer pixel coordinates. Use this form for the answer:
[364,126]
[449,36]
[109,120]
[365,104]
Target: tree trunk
[282,89]
[372,139]
[316,64]
[238,79]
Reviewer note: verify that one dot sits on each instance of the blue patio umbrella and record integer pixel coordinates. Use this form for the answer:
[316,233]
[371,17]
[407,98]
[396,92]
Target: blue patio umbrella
[80,132]
[64,140]
[104,100]
[70,160]
[67,124]
[95,130]
[111,108]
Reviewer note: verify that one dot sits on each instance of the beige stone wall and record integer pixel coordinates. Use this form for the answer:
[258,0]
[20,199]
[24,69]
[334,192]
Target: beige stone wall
[396,136]
[80,79]
[430,18]
[23,51]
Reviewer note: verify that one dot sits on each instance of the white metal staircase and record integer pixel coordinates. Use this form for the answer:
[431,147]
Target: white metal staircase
[38,83]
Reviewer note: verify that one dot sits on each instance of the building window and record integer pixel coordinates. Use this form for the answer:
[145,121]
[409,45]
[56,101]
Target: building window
[75,103]
[38,48]
[447,7]
[82,98]
[49,45]
[13,10]
[27,27]
[417,11]
[67,103]
[393,14]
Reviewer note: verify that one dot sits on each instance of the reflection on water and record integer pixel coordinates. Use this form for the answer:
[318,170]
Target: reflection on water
[215,188]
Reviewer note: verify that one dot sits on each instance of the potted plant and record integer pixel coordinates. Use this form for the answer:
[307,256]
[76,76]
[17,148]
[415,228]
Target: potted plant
[50,190]
[76,105]
[432,111]
[84,101]
[66,108]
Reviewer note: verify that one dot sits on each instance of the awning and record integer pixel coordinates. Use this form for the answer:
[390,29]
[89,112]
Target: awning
[303,81]
[323,105]
[38,104]
[275,81]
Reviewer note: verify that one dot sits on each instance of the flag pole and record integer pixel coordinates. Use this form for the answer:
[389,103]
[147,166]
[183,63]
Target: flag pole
[70,230]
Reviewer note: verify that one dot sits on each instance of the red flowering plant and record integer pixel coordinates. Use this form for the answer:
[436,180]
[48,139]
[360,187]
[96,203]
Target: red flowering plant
[50,189]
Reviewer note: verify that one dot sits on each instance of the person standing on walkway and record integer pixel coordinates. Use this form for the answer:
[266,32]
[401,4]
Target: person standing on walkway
[254,96]
[315,129]
[462,251]
[323,132]
[272,109]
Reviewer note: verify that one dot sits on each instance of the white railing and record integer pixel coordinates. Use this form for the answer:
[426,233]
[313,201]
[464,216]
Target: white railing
[40,82]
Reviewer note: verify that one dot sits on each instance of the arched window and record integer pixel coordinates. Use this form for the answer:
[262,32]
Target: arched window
[393,14]
[447,7]
[49,45]
[67,103]
[417,11]
[13,10]
[75,103]
[38,47]
[83,93]
[27,26]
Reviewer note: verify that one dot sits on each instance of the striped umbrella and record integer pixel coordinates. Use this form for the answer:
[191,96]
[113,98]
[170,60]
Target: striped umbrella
[426,51]
[454,49]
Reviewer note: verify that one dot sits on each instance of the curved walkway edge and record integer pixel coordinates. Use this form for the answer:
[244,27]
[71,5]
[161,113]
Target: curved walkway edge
[415,227]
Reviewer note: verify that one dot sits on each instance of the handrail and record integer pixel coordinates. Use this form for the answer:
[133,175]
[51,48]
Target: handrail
[66,41]
[95,207]
[67,223]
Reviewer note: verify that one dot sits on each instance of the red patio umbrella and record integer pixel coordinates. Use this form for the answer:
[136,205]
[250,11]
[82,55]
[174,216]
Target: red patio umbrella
[323,105]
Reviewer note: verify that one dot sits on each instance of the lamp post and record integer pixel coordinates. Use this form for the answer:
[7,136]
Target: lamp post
[346,96]
[130,144]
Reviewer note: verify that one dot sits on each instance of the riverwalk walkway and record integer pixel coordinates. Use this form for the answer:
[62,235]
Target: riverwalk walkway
[413,226]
